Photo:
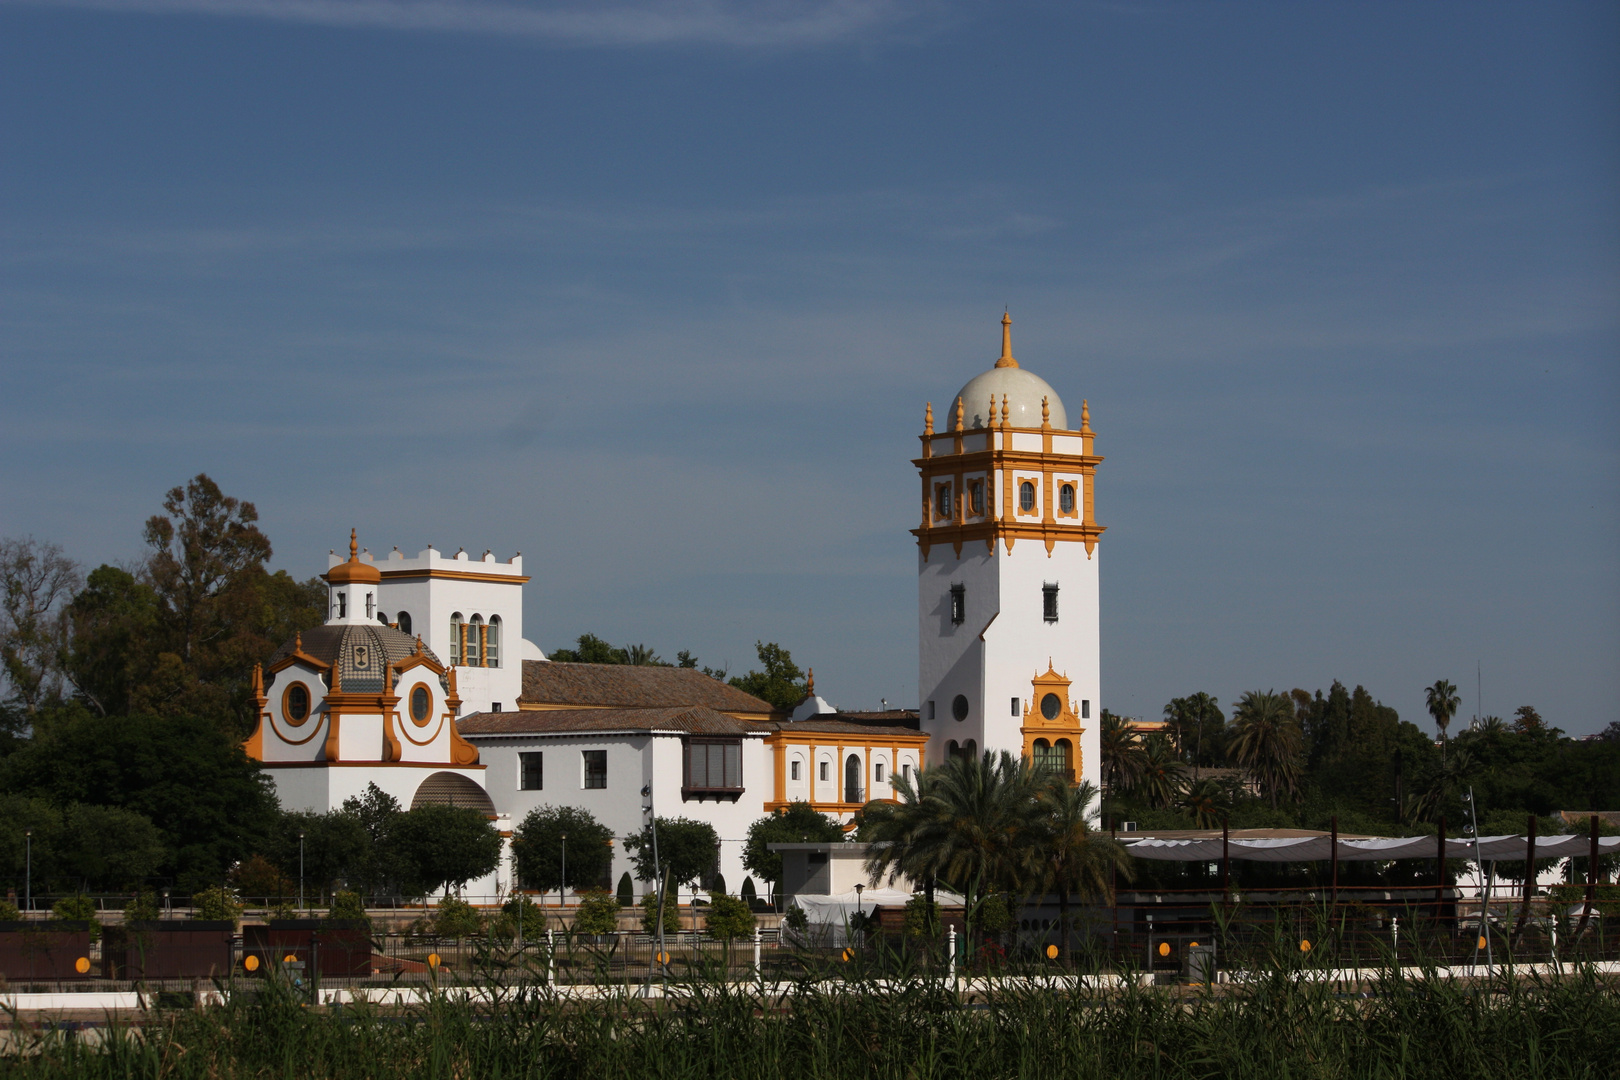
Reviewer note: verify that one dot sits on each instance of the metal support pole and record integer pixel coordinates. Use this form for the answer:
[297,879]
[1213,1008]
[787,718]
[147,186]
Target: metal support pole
[562,888]
[551,958]
[28,879]
[950,948]
[1529,876]
[759,972]
[1591,879]
[1334,841]
[1395,938]
[1440,873]
[300,872]
[1226,860]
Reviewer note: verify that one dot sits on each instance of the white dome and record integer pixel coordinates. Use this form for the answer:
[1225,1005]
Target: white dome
[1022,391]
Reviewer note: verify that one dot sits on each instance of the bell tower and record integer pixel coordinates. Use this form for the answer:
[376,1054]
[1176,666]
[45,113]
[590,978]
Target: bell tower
[1007,554]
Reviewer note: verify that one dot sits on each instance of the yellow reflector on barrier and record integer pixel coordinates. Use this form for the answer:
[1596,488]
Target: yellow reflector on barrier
[82,964]
[1164,948]
[1481,944]
[1304,946]
[290,958]
[1192,944]
[433,959]
[251,963]
[1051,952]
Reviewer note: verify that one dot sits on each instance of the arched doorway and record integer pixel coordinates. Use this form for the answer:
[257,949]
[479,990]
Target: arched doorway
[852,779]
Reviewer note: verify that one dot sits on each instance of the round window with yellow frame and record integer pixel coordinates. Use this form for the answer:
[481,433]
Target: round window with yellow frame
[295,703]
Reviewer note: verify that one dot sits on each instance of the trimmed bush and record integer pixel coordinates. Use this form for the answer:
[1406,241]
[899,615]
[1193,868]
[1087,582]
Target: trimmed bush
[457,919]
[215,905]
[598,913]
[142,907]
[922,918]
[520,906]
[9,912]
[728,918]
[649,914]
[80,909]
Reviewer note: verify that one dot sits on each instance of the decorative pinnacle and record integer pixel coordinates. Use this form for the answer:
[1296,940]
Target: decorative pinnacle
[1046,413]
[958,414]
[1085,417]
[354,545]
[810,683]
[990,418]
[1006,359]
[1004,410]
[928,419]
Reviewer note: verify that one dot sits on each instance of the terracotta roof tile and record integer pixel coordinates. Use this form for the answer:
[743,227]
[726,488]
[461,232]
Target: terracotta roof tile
[548,682]
[687,720]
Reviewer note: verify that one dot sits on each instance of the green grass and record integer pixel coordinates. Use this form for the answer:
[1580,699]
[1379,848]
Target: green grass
[912,1028]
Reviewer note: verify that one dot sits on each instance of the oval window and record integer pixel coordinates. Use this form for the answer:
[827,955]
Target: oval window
[1066,499]
[1026,496]
[297,704]
[1051,705]
[959,706]
[421,704]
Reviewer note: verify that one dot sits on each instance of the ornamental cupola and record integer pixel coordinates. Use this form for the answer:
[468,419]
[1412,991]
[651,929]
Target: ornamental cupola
[352,588]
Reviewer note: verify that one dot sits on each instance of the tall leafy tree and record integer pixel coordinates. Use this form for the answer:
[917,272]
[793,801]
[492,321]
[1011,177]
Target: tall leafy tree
[36,583]
[780,681]
[437,846]
[1267,740]
[1442,702]
[538,843]
[1198,727]
[115,622]
[688,851]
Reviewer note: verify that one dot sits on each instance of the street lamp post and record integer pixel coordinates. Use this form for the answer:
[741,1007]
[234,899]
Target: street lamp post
[300,871]
[860,915]
[562,887]
[28,879]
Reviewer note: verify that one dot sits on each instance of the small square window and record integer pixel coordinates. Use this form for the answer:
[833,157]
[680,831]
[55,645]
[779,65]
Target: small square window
[826,772]
[595,768]
[531,772]
[1085,708]
[1015,711]
[495,706]
[905,773]
[793,770]
[877,772]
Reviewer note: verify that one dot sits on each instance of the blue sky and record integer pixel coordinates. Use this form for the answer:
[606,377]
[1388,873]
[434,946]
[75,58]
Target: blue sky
[655,293]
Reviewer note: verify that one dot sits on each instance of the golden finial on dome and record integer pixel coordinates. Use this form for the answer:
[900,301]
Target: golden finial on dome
[1004,413]
[810,684]
[354,545]
[1085,418]
[1046,413]
[1006,359]
[958,415]
[990,420]
[928,419]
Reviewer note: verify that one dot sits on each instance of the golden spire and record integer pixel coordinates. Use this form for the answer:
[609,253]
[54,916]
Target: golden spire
[958,415]
[1085,417]
[928,419]
[1046,413]
[354,545]
[810,684]
[298,641]
[1006,342]
[418,644]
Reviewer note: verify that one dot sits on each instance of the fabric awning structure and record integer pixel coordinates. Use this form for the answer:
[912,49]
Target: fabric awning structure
[1379,849]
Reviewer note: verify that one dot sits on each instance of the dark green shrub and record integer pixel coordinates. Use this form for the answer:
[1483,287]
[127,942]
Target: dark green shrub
[922,918]
[457,919]
[216,905]
[142,907]
[347,906]
[994,916]
[9,911]
[728,918]
[598,913]
[649,914]
[78,908]
[795,919]
[521,907]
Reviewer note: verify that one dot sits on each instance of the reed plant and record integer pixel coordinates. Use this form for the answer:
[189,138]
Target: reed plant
[908,1022]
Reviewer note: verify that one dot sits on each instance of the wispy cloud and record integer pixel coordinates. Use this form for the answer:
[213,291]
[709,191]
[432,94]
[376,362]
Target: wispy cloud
[621,23]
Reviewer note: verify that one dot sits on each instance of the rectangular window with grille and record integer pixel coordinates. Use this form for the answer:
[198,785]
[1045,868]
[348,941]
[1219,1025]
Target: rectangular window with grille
[595,768]
[531,771]
[713,765]
[958,604]
[1049,602]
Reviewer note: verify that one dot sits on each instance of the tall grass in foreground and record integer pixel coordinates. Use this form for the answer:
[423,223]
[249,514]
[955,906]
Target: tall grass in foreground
[912,1028]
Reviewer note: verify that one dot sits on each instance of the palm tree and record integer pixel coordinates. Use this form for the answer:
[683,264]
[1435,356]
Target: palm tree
[1268,741]
[969,822]
[1442,702]
[1121,752]
[1162,773]
[1075,860]
[1209,800]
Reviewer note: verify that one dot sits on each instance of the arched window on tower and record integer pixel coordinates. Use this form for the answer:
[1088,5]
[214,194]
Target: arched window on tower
[405,621]
[458,635]
[492,650]
[852,778]
[475,641]
[1026,497]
